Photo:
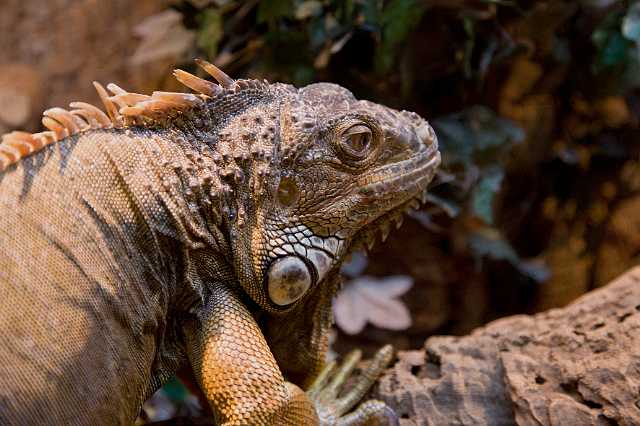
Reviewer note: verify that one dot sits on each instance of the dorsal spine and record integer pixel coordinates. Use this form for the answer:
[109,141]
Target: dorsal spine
[122,109]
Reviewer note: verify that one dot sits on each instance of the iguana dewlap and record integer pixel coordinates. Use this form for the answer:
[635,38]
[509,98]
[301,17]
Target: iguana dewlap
[205,228]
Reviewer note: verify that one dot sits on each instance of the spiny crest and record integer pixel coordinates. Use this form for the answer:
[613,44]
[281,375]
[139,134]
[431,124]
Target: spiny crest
[122,109]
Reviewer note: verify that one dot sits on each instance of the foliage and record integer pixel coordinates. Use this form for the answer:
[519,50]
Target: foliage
[617,39]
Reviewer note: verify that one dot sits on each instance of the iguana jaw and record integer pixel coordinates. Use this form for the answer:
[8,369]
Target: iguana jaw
[405,191]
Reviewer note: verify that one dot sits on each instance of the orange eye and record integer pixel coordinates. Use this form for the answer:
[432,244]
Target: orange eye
[356,141]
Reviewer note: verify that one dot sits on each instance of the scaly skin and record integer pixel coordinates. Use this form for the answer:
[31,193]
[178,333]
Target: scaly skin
[208,230]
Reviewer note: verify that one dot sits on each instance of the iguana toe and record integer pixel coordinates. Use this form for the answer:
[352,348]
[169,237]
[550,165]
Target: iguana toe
[333,403]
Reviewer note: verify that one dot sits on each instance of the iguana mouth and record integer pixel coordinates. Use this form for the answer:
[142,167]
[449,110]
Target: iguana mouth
[366,238]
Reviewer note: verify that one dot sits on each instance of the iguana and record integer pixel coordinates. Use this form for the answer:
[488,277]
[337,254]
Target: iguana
[204,227]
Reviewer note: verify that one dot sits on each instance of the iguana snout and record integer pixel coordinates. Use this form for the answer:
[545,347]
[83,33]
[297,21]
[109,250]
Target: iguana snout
[397,182]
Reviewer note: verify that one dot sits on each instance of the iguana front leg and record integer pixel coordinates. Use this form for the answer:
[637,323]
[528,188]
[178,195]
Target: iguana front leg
[244,386]
[236,370]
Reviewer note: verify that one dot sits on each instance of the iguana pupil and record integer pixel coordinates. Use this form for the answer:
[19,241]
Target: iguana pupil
[289,279]
[358,139]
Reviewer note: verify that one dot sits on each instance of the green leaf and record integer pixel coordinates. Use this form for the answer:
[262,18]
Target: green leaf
[450,207]
[455,139]
[399,19]
[272,10]
[561,50]
[303,75]
[615,50]
[210,32]
[630,78]
[612,47]
[534,269]
[317,33]
[175,390]
[484,194]
[469,44]
[344,10]
[631,23]
[489,242]
[467,135]
[372,13]
[491,130]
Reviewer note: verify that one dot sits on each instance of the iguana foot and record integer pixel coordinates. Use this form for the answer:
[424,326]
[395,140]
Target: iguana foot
[332,408]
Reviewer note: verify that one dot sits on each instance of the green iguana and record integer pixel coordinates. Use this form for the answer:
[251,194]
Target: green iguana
[203,227]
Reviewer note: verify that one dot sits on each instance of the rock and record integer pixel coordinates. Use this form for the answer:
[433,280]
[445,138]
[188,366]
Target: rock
[579,365]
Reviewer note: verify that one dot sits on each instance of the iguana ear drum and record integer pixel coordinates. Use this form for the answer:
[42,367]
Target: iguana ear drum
[289,280]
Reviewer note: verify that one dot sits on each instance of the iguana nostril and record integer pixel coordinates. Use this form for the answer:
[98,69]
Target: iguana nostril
[289,280]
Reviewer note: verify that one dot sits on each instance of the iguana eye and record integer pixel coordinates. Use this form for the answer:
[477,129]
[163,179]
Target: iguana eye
[356,142]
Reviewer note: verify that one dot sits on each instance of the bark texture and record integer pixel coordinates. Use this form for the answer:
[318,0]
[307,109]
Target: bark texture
[579,365]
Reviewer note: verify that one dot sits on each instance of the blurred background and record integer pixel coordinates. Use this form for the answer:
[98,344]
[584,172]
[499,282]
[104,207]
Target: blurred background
[536,105]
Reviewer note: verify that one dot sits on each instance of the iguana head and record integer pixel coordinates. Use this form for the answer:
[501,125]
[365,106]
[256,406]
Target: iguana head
[340,169]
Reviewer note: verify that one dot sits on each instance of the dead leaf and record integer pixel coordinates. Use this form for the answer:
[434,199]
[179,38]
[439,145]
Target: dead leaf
[308,9]
[614,111]
[163,36]
[15,107]
[373,300]
[322,60]
[21,93]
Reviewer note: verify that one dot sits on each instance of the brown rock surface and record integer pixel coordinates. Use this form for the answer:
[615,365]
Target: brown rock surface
[579,365]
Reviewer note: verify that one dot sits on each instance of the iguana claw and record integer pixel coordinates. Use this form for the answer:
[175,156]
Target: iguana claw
[332,404]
